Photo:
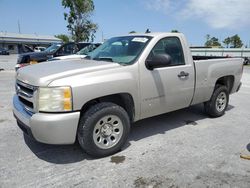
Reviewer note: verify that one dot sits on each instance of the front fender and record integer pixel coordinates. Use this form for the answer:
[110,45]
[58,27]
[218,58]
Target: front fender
[89,86]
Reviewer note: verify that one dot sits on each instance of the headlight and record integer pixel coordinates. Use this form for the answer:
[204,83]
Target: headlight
[54,99]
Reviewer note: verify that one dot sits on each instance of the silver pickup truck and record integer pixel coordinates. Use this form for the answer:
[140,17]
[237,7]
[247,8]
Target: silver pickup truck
[128,78]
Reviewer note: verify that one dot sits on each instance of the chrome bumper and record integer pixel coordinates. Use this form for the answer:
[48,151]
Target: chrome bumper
[49,128]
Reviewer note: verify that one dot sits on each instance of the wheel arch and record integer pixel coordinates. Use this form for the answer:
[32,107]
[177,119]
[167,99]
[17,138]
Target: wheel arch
[227,81]
[125,100]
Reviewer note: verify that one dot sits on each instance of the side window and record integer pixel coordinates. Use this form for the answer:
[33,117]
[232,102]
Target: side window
[171,46]
[68,49]
[10,47]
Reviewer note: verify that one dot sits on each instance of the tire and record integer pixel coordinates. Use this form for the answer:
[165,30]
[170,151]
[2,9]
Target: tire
[103,129]
[218,103]
[246,61]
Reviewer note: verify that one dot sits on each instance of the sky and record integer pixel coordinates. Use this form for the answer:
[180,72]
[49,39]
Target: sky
[194,18]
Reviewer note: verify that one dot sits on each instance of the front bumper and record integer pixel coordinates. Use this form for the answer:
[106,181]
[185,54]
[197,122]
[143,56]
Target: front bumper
[49,128]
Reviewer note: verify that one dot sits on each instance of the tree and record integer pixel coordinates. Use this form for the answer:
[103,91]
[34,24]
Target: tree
[233,42]
[131,32]
[236,42]
[207,37]
[79,23]
[227,41]
[63,37]
[212,41]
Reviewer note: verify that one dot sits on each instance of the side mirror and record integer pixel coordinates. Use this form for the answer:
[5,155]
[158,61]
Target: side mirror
[158,60]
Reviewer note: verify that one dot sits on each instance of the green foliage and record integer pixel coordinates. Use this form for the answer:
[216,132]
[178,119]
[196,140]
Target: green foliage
[236,42]
[212,41]
[132,32]
[227,41]
[78,18]
[63,37]
[207,37]
[233,42]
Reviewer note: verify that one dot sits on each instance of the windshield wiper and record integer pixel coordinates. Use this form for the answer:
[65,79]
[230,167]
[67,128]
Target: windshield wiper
[104,58]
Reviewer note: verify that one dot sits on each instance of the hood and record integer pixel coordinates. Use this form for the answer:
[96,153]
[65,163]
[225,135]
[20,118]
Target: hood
[38,56]
[44,73]
[34,54]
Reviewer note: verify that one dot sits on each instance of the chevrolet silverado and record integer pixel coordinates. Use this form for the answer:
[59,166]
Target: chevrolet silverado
[95,100]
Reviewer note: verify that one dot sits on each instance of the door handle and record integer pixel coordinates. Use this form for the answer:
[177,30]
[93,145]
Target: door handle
[183,74]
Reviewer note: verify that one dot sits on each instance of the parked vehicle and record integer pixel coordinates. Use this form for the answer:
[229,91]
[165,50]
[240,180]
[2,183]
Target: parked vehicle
[79,55]
[4,51]
[54,50]
[128,78]
[39,49]
[22,48]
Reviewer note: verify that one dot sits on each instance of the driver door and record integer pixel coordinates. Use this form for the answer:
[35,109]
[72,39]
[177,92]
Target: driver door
[164,89]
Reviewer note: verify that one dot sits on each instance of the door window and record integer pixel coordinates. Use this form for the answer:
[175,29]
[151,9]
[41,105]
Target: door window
[171,46]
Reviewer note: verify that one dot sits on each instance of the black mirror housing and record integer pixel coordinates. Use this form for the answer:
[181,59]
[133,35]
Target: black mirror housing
[159,60]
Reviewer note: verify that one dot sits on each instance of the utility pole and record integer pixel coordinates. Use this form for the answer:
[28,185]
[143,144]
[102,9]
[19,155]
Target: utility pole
[19,29]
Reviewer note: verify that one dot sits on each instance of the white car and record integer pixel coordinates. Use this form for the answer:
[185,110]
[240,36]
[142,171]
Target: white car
[39,49]
[80,54]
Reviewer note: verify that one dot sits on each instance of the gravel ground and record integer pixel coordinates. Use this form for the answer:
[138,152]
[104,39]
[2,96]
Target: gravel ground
[179,149]
[8,62]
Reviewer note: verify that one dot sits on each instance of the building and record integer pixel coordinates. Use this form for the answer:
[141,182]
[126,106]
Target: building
[19,43]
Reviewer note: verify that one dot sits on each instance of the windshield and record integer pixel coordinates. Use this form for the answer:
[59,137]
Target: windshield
[52,48]
[87,49]
[124,50]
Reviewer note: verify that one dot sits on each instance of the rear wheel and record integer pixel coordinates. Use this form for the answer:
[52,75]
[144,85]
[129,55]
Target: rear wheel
[103,129]
[218,103]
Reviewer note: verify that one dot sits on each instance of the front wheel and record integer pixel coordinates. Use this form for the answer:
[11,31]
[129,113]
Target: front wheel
[217,105]
[103,129]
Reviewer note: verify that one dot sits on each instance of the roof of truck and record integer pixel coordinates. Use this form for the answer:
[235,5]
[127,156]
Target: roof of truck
[154,34]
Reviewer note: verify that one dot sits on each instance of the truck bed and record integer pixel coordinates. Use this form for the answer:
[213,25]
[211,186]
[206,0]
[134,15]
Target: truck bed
[197,57]
[209,71]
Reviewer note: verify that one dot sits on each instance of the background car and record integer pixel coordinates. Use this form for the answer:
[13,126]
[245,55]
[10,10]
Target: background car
[55,50]
[80,54]
[23,48]
[4,51]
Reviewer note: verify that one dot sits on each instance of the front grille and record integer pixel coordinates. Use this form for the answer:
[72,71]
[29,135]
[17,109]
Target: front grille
[26,103]
[25,94]
[25,89]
